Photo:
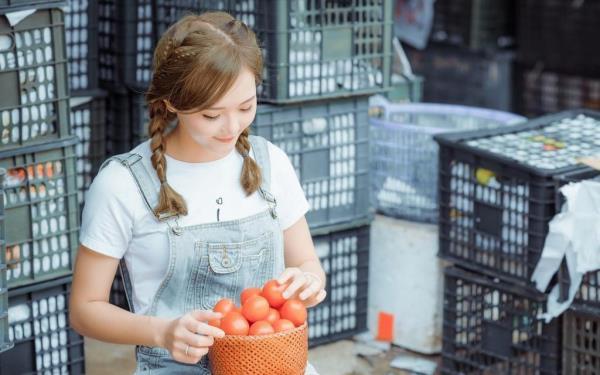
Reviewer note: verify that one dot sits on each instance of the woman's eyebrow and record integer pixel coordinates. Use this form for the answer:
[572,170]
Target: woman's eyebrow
[244,102]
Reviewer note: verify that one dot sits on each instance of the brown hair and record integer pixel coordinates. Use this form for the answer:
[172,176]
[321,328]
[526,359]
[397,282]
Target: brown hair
[207,51]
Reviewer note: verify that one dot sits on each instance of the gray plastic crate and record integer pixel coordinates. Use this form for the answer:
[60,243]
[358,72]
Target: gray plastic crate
[9,6]
[40,194]
[313,49]
[5,343]
[539,91]
[44,343]
[81,26]
[328,144]
[404,156]
[460,76]
[127,121]
[88,122]
[344,254]
[33,67]
[126,42]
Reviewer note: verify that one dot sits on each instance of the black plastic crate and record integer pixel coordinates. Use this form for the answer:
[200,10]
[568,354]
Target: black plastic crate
[4,341]
[491,327]
[9,6]
[313,49]
[328,144]
[127,120]
[126,41]
[344,254]
[581,336]
[81,27]
[539,91]
[460,76]
[33,67]
[476,24]
[40,194]
[497,190]
[559,34]
[588,294]
[39,327]
[88,122]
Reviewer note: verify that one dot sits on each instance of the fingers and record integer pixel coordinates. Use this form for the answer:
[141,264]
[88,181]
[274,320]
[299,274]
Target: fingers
[287,274]
[298,281]
[313,301]
[205,315]
[311,290]
[202,328]
[188,354]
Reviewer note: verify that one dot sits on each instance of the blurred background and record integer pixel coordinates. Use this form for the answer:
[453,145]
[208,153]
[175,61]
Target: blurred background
[431,138]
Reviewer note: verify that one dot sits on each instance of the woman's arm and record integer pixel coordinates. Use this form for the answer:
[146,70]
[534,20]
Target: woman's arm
[302,265]
[92,315]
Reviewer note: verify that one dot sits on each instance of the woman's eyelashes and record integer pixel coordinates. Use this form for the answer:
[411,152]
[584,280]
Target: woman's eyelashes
[209,117]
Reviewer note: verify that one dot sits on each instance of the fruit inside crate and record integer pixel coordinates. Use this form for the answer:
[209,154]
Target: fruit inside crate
[39,327]
[497,190]
[41,211]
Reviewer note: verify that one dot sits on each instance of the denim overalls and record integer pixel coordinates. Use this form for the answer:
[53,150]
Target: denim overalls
[207,262]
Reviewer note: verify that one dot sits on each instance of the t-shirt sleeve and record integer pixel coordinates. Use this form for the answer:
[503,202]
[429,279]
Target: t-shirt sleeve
[107,219]
[291,200]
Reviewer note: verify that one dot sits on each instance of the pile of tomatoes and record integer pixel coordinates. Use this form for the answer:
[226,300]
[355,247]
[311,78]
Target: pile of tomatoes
[263,311]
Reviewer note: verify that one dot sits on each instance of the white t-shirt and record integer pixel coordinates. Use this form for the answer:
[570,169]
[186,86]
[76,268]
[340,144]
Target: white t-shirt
[117,223]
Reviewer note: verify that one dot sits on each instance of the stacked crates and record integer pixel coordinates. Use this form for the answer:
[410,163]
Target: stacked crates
[581,321]
[466,61]
[40,211]
[557,69]
[497,195]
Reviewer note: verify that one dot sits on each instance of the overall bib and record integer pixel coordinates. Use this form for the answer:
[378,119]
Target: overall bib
[207,262]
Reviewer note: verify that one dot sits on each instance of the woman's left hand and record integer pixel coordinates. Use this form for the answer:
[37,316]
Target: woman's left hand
[306,286]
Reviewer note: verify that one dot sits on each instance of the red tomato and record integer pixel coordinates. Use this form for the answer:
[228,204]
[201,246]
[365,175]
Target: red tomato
[224,306]
[294,311]
[261,327]
[283,325]
[255,308]
[215,323]
[249,292]
[273,292]
[273,315]
[234,323]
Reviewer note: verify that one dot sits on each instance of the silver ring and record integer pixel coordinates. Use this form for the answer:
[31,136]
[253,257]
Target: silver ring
[186,350]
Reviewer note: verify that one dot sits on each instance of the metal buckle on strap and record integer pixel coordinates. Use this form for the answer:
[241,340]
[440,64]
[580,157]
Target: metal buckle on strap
[271,201]
[131,159]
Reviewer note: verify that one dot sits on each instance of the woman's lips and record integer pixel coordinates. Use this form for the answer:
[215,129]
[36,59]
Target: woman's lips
[225,140]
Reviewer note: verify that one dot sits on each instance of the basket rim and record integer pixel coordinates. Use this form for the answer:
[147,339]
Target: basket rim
[238,338]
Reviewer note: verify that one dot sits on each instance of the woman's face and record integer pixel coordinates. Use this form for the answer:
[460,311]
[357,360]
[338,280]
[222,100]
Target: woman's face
[217,129]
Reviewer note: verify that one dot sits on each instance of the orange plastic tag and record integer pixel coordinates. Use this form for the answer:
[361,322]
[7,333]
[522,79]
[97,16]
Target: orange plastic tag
[385,327]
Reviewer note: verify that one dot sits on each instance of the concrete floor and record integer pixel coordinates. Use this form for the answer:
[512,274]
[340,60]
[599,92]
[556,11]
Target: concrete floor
[333,359]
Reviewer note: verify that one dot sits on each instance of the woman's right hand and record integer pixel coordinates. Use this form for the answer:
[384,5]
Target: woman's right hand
[191,329]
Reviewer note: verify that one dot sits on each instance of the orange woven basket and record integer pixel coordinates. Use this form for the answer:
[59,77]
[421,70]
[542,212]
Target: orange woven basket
[282,353]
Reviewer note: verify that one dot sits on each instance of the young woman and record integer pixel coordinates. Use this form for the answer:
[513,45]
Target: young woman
[198,212]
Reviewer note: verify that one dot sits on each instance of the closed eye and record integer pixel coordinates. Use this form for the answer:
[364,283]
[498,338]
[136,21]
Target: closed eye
[211,117]
[246,109]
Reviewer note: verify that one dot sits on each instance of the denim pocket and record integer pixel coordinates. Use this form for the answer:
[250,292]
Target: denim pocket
[229,267]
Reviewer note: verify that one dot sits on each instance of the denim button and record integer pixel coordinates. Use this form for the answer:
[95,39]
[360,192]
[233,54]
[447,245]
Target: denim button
[226,262]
